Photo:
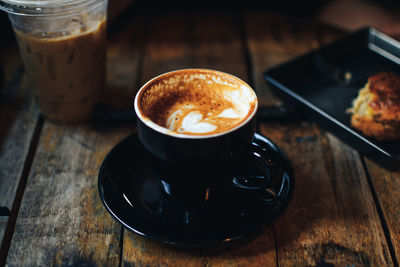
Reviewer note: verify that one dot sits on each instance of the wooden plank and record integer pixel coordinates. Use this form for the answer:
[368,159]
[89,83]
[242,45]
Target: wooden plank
[332,218]
[386,185]
[62,221]
[124,55]
[215,43]
[3,226]
[166,45]
[142,252]
[269,46]
[18,119]
[17,126]
[115,8]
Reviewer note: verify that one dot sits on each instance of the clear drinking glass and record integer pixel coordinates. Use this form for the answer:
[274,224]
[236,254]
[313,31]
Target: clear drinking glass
[63,47]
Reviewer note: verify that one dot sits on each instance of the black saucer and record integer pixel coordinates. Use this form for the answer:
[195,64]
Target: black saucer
[131,192]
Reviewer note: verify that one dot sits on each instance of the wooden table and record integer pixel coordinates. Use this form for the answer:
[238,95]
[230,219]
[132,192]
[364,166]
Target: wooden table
[345,210]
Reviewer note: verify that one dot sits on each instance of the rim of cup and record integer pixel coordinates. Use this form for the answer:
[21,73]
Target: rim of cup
[169,132]
[49,8]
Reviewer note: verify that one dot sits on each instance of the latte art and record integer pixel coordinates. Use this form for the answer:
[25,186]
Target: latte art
[198,104]
[193,122]
[202,112]
[196,122]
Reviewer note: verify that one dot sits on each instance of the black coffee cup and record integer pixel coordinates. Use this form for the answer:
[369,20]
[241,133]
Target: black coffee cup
[192,165]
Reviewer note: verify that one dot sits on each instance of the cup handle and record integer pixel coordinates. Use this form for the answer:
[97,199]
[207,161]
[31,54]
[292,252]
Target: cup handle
[261,179]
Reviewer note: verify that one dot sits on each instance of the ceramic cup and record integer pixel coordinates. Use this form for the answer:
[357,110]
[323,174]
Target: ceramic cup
[196,123]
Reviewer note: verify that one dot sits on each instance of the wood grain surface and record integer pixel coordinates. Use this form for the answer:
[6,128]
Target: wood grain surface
[61,220]
[17,125]
[3,226]
[332,218]
[385,185]
[345,209]
[124,60]
[18,119]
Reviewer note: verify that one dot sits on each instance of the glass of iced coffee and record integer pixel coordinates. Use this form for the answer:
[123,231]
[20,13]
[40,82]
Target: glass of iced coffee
[63,47]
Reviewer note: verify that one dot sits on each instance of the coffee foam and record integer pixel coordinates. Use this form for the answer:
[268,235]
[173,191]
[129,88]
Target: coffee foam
[198,103]
[193,122]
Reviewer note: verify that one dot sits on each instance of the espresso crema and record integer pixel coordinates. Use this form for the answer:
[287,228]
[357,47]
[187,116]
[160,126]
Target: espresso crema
[198,102]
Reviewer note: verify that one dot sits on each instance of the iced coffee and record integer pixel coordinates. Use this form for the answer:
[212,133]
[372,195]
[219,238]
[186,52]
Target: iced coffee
[64,55]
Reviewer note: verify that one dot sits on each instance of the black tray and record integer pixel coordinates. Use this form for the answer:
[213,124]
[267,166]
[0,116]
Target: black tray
[324,82]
